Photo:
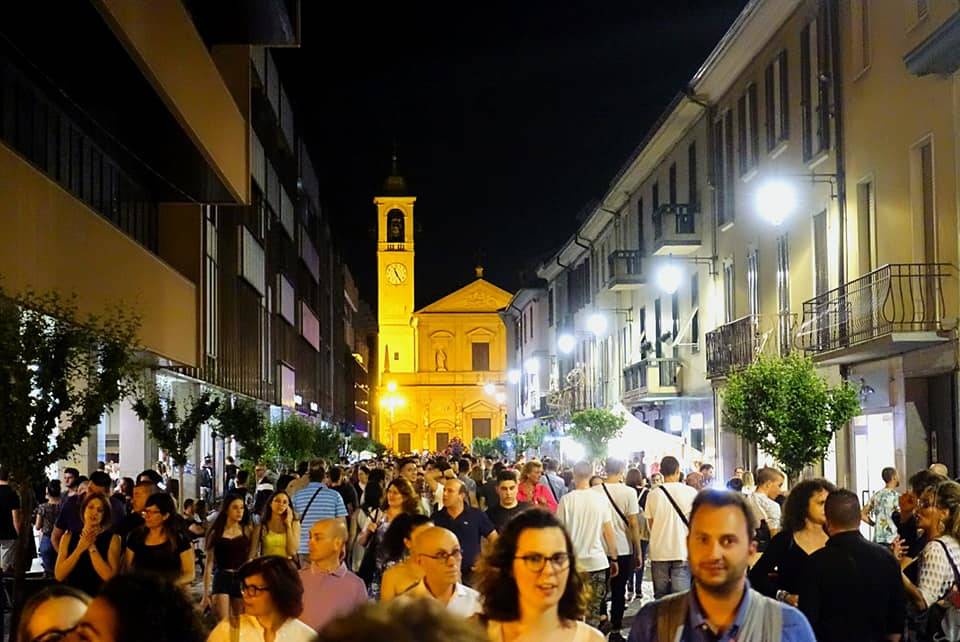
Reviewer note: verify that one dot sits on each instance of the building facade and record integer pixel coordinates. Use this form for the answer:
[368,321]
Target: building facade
[443,367]
[798,195]
[199,210]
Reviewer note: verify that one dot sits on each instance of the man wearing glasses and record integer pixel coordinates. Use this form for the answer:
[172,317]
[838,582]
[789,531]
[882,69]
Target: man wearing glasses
[437,552]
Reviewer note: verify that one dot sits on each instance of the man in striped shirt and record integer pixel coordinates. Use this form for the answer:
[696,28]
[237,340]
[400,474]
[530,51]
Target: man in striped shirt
[316,502]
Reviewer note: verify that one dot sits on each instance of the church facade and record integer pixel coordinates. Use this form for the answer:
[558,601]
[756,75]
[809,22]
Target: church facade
[442,368]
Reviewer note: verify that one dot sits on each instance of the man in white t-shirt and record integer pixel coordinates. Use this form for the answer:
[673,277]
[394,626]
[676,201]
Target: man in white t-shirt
[765,509]
[587,517]
[625,511]
[668,511]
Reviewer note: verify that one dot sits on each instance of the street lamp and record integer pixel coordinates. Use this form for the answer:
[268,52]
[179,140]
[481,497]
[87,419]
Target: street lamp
[489,388]
[392,386]
[566,343]
[513,376]
[597,324]
[669,277]
[775,201]
[532,365]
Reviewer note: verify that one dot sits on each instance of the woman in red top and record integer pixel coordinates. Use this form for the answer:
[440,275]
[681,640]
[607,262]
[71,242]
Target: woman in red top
[532,491]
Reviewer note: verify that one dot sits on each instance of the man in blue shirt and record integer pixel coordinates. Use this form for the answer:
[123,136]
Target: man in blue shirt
[315,502]
[469,524]
[721,606]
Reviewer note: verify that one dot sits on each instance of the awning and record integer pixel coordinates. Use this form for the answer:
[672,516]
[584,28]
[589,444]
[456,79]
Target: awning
[638,436]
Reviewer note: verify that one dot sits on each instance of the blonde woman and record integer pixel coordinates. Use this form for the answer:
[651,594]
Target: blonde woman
[532,491]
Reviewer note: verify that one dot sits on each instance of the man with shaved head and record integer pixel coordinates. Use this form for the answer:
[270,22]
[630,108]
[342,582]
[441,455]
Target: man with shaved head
[329,589]
[438,554]
[470,525]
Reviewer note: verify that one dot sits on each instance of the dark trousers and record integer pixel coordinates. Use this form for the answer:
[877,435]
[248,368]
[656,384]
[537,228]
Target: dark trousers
[618,590]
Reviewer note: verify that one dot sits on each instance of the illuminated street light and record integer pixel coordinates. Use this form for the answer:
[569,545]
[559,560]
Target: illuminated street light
[489,388]
[597,324]
[775,201]
[392,386]
[669,277]
[513,376]
[566,343]
[532,365]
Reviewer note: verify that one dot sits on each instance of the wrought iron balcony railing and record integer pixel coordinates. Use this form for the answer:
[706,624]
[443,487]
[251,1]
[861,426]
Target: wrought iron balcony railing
[675,229]
[737,344]
[895,298]
[649,378]
[625,270]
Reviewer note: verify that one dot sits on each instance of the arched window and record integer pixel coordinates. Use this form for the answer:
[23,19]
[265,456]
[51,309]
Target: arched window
[395,226]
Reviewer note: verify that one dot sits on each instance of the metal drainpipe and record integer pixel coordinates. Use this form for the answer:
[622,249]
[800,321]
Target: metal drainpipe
[840,159]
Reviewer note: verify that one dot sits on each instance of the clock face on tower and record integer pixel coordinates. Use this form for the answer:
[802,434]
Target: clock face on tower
[396,273]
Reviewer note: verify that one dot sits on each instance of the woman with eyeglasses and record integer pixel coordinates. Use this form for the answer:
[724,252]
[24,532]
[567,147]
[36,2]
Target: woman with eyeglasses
[160,545]
[938,514]
[529,584]
[91,557]
[278,532]
[272,602]
[226,548]
[50,614]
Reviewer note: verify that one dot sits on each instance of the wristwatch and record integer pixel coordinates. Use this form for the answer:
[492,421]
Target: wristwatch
[782,595]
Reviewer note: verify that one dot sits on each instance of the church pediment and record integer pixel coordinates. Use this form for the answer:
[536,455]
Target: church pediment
[478,296]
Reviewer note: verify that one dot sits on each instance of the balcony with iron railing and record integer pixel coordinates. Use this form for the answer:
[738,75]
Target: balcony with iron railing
[650,380]
[735,345]
[675,229]
[625,270]
[894,309]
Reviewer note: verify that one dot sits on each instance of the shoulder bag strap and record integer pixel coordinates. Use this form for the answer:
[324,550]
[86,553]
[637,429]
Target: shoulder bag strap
[626,522]
[675,507]
[552,489]
[956,574]
[672,617]
[309,504]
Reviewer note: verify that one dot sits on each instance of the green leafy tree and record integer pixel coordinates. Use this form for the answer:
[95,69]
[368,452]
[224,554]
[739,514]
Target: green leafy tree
[359,444]
[532,439]
[783,406]
[59,372]
[173,432]
[290,440]
[328,443]
[244,421]
[594,428]
[483,447]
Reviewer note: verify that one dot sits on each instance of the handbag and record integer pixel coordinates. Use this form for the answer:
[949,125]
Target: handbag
[942,618]
[368,564]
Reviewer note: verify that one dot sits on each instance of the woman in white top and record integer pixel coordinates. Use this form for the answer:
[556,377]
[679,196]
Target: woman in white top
[272,602]
[938,514]
[529,584]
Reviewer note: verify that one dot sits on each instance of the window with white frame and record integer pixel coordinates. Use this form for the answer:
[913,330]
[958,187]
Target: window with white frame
[753,281]
[814,87]
[211,281]
[729,291]
[777,98]
[748,138]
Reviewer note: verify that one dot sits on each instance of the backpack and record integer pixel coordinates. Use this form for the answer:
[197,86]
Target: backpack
[763,621]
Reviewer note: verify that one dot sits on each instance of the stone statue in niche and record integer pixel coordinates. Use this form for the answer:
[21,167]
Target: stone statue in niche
[441,359]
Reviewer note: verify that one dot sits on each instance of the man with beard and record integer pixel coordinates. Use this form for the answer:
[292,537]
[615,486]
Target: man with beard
[721,606]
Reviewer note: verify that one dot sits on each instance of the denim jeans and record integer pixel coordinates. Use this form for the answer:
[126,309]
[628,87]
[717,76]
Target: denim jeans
[670,577]
[48,556]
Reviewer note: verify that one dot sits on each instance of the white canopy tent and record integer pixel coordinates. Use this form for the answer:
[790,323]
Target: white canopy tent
[656,444]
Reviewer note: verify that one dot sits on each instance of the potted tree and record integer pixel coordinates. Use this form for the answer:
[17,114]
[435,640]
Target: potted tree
[783,406]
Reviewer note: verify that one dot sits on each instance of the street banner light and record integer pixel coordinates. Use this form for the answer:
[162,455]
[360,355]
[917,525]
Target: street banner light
[775,201]
[597,324]
[566,343]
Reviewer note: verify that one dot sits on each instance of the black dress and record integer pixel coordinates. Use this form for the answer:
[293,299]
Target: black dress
[781,567]
[84,576]
[159,559]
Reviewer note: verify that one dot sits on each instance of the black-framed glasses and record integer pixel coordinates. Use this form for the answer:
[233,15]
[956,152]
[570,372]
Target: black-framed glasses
[253,590]
[535,562]
[444,556]
[150,511]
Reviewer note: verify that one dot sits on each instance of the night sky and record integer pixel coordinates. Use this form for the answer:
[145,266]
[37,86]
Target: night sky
[509,117]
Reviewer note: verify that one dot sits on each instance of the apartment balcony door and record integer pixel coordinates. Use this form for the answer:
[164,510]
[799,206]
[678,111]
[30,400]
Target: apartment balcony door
[873,450]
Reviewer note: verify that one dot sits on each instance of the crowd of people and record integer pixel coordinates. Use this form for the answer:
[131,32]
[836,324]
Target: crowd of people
[464,548]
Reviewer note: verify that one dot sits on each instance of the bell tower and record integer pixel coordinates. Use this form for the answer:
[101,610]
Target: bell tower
[395,293]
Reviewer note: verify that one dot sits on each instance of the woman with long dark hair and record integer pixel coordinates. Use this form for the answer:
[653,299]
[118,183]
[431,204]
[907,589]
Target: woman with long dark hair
[160,545]
[530,586]
[370,507]
[226,547]
[780,570]
[278,532]
[91,557]
[400,498]
[397,543]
